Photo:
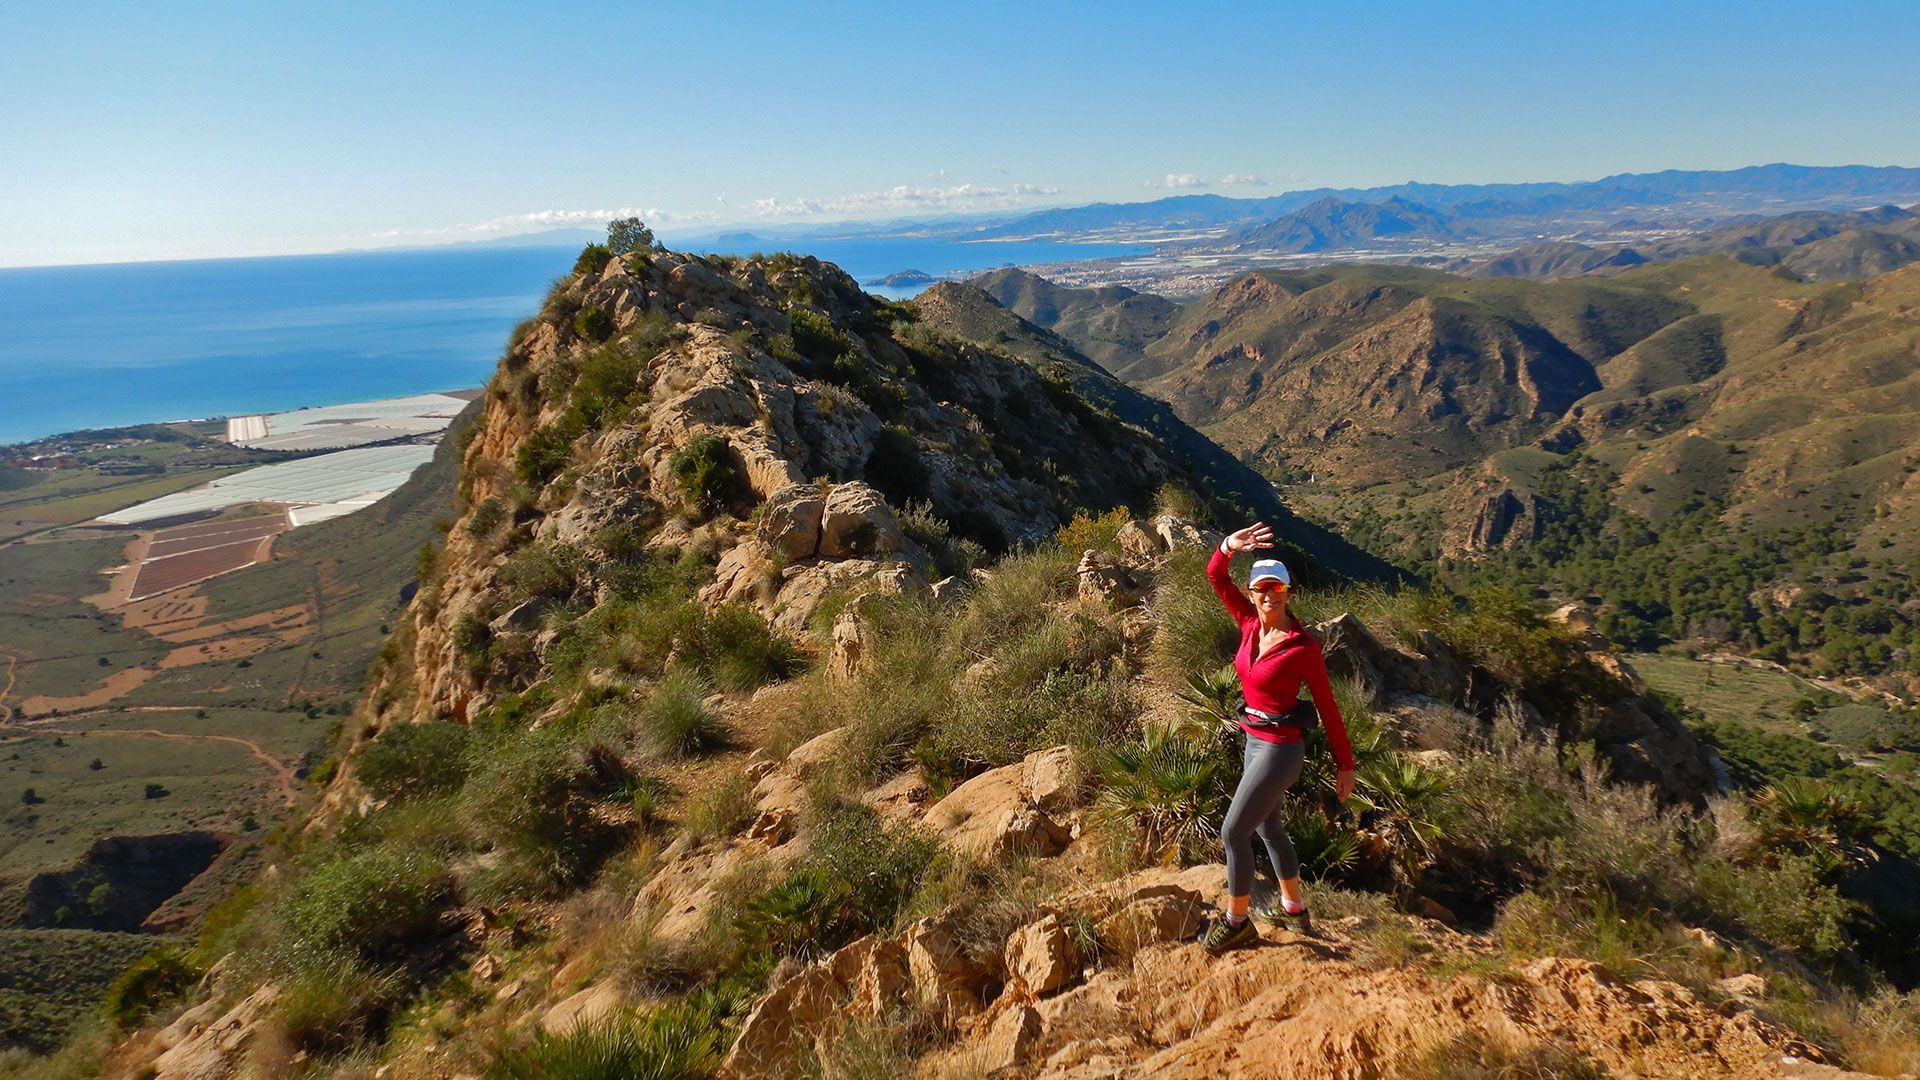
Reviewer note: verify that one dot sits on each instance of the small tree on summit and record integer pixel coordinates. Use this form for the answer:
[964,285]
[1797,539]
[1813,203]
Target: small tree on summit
[628,234]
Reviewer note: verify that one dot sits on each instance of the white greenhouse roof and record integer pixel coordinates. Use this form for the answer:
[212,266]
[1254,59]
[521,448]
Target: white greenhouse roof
[332,426]
[316,488]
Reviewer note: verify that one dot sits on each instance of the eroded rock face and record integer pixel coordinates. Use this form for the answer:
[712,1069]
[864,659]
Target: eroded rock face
[856,522]
[201,1047]
[1040,956]
[790,522]
[1000,813]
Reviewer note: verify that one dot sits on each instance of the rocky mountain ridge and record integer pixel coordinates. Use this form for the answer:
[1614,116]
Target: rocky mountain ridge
[753,721]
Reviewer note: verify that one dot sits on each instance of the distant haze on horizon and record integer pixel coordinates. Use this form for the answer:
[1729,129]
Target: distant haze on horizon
[236,130]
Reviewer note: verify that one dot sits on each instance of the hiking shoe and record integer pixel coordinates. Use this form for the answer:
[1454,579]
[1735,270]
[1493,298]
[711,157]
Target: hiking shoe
[1298,922]
[1223,935]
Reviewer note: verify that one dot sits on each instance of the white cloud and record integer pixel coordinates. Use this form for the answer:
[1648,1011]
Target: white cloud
[901,199]
[541,220]
[1177,180]
[1242,180]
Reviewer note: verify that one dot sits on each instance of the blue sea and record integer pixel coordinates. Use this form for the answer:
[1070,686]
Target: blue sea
[102,346]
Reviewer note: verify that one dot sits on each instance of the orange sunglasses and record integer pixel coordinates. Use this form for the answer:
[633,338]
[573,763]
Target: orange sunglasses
[1269,586]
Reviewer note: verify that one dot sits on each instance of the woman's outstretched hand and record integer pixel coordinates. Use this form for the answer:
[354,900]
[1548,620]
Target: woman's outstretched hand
[1252,538]
[1343,785]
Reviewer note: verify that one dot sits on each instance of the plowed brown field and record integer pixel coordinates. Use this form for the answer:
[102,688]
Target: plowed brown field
[190,553]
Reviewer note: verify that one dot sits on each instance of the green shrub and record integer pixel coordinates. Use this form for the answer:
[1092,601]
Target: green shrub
[330,1004]
[817,338]
[679,1042]
[471,637]
[675,721]
[372,906]
[706,472]
[999,725]
[857,877]
[733,645]
[952,555]
[803,916]
[593,323]
[154,980]
[548,449]
[896,467]
[1100,533]
[1194,634]
[593,258]
[1173,791]
[548,569]
[531,798]
[720,811]
[486,517]
[415,759]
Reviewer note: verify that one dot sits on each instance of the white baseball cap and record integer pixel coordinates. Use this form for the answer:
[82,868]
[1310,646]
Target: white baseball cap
[1269,570]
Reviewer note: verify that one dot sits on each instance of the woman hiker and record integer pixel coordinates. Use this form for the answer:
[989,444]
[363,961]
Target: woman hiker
[1275,656]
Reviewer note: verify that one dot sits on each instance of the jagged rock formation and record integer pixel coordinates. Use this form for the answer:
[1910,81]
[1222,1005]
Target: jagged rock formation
[835,413]
[762,427]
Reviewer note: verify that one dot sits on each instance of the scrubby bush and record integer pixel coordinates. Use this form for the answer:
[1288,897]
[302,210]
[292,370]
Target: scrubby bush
[857,877]
[1087,531]
[489,515]
[679,1042]
[895,467]
[593,258]
[705,471]
[675,721]
[157,978]
[720,810]
[593,323]
[531,798]
[415,759]
[330,1003]
[547,450]
[373,905]
[549,569]
[1194,632]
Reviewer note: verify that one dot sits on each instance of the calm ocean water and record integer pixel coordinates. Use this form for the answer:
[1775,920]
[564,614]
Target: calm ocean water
[100,346]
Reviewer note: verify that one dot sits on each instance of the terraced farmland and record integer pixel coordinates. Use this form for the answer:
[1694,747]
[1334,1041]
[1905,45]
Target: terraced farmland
[192,553]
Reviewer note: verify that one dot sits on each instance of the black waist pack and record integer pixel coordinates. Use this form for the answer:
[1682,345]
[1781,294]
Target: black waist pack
[1302,716]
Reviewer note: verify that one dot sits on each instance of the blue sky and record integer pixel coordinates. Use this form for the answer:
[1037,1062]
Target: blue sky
[140,131]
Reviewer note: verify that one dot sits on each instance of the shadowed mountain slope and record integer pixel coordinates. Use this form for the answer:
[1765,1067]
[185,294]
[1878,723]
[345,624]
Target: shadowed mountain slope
[969,312]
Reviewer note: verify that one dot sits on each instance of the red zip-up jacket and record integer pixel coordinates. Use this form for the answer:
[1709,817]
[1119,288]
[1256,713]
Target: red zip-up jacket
[1272,681]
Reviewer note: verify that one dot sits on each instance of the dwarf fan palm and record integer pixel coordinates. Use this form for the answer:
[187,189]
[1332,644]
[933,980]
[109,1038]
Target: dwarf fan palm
[1174,790]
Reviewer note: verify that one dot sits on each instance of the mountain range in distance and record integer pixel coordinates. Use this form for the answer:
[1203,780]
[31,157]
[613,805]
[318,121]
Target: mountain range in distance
[1671,198]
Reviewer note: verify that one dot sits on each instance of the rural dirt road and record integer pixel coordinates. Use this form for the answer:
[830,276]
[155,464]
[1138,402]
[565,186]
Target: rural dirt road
[283,773]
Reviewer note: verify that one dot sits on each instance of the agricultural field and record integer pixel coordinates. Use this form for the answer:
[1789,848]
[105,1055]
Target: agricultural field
[144,772]
[200,708]
[1864,732]
[70,500]
[182,556]
[1730,693]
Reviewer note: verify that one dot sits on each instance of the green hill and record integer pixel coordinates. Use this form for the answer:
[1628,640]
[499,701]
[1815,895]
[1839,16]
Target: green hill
[1763,429]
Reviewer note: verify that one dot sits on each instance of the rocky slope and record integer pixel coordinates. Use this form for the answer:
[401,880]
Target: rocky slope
[907,857]
[835,418]
[1376,376]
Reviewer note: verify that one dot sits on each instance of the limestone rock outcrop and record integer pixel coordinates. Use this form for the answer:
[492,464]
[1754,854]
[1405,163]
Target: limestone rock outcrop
[1017,809]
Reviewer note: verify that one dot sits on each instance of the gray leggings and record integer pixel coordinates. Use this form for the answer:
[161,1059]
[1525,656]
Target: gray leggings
[1268,770]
